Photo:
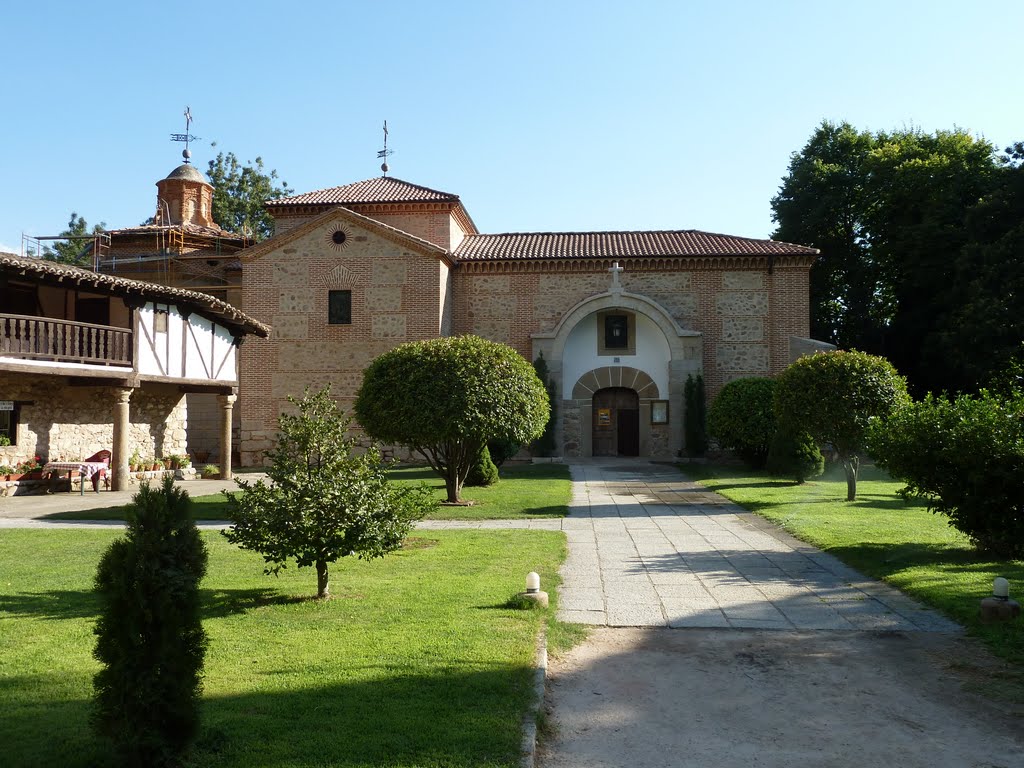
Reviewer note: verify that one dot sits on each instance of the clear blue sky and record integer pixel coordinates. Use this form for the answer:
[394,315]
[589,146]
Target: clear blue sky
[574,115]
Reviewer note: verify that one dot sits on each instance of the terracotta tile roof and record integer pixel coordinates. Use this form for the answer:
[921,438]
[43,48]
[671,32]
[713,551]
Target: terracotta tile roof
[598,245]
[221,311]
[383,189]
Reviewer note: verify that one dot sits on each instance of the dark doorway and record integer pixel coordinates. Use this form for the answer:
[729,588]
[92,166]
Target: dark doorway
[616,422]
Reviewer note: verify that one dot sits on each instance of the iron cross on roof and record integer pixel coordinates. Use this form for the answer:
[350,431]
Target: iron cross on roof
[186,136]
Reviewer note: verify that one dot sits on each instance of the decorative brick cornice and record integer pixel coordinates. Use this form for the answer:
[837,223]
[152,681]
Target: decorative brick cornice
[659,264]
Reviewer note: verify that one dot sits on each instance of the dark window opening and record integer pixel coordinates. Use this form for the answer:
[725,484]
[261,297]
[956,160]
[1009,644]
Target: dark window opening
[616,331]
[9,426]
[339,307]
[338,237]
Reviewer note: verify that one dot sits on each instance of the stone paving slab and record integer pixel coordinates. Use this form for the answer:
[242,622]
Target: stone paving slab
[671,553]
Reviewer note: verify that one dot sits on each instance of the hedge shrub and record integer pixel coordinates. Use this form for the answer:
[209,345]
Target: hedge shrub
[794,453]
[150,640]
[695,419]
[483,472]
[965,458]
[742,419]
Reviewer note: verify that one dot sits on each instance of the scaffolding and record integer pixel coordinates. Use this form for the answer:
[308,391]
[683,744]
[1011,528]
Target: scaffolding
[96,246]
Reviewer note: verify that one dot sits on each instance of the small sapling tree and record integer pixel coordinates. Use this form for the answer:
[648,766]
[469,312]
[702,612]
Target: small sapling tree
[446,398]
[833,396]
[546,444]
[324,501]
[150,640]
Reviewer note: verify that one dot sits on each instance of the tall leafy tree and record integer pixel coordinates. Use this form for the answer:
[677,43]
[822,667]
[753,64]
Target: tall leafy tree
[823,202]
[890,212]
[75,249]
[239,192]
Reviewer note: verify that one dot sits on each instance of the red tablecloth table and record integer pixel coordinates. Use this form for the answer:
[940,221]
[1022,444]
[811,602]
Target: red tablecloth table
[87,469]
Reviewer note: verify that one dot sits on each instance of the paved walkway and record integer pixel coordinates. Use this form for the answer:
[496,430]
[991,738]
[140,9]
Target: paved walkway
[649,548]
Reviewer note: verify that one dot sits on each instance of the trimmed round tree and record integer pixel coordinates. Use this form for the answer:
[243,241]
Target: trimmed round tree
[833,396]
[445,398]
[742,418]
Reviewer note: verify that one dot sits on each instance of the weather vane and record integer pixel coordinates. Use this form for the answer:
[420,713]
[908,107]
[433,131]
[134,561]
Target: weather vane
[382,154]
[186,136]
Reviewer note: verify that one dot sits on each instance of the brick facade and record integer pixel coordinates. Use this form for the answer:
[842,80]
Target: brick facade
[724,316]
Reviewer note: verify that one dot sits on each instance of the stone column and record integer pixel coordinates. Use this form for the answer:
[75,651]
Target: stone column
[119,450]
[226,403]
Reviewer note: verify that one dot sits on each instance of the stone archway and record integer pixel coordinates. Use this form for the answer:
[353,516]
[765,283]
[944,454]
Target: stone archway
[682,356]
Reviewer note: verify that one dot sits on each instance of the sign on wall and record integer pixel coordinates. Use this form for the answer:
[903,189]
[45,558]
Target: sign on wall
[604,417]
[6,405]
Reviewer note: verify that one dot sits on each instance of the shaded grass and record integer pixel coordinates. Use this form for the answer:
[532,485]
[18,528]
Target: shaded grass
[413,663]
[525,491]
[882,536]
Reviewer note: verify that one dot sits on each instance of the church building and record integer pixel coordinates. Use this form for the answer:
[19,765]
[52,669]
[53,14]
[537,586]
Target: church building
[622,318]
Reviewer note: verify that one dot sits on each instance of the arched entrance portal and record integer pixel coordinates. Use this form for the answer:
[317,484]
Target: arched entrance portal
[616,417]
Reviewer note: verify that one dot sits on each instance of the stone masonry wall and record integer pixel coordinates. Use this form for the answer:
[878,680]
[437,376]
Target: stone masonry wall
[57,421]
[746,316]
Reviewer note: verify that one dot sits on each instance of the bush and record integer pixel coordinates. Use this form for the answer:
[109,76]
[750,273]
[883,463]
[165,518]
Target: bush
[742,419]
[483,472]
[695,418]
[546,444]
[503,449]
[150,640]
[965,458]
[794,454]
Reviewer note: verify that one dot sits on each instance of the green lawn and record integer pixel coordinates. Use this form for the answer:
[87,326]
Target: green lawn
[525,491]
[882,536]
[415,662]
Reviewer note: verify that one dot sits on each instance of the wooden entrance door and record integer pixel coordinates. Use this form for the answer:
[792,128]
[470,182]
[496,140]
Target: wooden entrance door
[616,425]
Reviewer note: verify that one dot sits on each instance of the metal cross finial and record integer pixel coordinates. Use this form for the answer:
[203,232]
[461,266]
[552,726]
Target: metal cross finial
[382,154]
[186,136]
[615,269]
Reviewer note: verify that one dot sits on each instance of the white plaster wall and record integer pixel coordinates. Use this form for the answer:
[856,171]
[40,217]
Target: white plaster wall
[207,347]
[580,355]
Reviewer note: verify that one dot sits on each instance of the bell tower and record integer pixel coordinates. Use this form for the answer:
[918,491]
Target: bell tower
[185,196]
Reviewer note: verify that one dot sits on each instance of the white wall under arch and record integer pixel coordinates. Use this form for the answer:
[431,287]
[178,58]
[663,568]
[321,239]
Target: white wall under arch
[579,355]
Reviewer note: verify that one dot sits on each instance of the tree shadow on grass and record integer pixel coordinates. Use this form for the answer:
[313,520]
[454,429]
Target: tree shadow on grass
[84,604]
[892,558]
[457,714]
[219,603]
[52,604]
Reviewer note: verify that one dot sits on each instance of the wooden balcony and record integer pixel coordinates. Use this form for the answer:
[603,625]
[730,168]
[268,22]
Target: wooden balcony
[44,338]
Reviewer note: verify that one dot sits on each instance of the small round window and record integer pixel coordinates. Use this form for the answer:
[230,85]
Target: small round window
[337,239]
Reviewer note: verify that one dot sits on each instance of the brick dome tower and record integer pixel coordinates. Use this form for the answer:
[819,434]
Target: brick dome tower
[184,197]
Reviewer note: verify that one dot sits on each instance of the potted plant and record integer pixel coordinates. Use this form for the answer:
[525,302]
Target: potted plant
[168,462]
[210,472]
[134,461]
[6,471]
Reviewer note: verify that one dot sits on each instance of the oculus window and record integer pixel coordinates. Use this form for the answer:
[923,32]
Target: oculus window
[339,307]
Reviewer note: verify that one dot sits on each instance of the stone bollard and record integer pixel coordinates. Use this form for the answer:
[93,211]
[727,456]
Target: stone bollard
[999,607]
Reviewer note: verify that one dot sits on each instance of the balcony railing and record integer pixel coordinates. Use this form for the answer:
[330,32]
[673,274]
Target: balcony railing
[43,338]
